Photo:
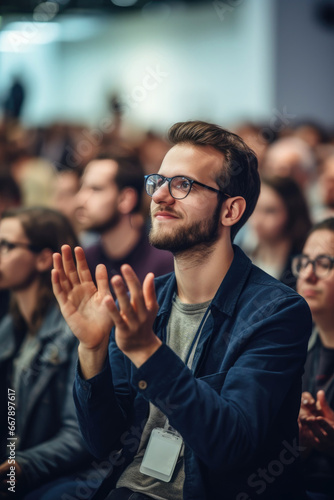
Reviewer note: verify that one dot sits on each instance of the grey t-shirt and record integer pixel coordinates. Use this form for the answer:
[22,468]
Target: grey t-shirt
[184,321]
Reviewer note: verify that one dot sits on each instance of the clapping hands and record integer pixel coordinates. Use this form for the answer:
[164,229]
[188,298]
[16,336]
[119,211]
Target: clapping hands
[91,311]
[316,423]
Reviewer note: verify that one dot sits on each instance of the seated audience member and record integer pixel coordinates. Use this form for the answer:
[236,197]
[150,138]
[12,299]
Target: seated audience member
[325,202]
[37,356]
[311,132]
[36,179]
[315,271]
[280,223]
[109,203]
[199,382]
[256,137]
[291,157]
[10,197]
[10,193]
[66,186]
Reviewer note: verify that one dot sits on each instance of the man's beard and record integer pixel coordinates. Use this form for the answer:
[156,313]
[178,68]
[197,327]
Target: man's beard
[200,235]
[102,227]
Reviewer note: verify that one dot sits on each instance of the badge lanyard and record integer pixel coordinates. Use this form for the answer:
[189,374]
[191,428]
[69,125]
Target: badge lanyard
[165,444]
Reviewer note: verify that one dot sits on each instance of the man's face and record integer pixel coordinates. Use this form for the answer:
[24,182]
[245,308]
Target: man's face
[193,222]
[97,199]
[66,189]
[318,292]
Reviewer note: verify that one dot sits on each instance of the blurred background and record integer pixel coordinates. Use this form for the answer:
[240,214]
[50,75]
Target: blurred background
[225,61]
[78,75]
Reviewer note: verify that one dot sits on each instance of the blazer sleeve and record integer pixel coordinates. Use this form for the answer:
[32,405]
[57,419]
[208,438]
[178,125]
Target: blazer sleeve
[226,424]
[104,403]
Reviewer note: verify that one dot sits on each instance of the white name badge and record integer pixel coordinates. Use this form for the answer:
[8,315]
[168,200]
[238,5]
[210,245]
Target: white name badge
[161,454]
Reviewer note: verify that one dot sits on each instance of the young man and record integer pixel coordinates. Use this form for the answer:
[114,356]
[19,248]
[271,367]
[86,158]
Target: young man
[204,364]
[109,203]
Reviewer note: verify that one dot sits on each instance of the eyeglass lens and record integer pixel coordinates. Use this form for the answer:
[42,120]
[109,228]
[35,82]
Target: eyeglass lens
[179,186]
[322,265]
[7,246]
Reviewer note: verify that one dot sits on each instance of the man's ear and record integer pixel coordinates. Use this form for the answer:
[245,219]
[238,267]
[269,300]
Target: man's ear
[232,210]
[127,200]
[44,260]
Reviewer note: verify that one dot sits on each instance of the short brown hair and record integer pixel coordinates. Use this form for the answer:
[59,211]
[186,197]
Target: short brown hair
[130,173]
[239,174]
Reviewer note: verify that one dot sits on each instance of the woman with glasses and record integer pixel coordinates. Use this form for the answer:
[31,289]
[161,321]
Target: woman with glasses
[314,270]
[39,439]
[280,222]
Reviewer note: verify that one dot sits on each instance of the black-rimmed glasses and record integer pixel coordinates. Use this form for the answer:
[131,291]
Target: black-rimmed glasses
[6,246]
[179,186]
[322,265]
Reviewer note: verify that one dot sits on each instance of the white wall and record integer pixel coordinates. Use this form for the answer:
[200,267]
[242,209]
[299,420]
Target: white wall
[305,62]
[212,62]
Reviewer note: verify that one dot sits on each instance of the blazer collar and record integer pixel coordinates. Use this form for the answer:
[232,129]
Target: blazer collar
[227,294]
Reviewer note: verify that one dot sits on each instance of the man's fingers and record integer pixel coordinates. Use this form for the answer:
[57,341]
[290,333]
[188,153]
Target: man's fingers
[126,310]
[149,293]
[136,308]
[69,267]
[114,311]
[83,271]
[60,284]
[61,294]
[58,266]
[57,288]
[136,292]
[102,281]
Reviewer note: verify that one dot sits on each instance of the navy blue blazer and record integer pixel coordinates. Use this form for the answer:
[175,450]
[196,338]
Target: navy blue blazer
[236,408]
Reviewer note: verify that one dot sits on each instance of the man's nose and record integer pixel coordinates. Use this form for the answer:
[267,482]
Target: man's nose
[162,194]
[80,198]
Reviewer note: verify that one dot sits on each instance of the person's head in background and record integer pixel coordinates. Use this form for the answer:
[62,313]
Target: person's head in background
[256,137]
[326,181]
[313,133]
[111,191]
[281,222]
[281,213]
[315,271]
[67,185]
[28,238]
[10,192]
[290,157]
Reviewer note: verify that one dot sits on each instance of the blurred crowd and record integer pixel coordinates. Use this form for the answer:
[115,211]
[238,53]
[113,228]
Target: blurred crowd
[65,168]
[43,166]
